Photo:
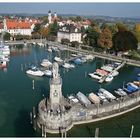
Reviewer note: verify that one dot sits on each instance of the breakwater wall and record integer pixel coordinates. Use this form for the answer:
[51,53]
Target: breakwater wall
[91,114]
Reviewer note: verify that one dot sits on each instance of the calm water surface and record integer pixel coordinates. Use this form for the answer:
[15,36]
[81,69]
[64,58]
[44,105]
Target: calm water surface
[17,97]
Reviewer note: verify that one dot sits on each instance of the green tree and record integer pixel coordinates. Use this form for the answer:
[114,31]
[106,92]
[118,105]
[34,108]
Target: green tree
[37,28]
[105,39]
[113,28]
[123,41]
[54,28]
[91,37]
[75,44]
[137,31]
[122,27]
[65,41]
[6,36]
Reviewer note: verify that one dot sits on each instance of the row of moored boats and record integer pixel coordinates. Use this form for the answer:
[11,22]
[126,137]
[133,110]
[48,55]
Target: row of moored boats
[106,70]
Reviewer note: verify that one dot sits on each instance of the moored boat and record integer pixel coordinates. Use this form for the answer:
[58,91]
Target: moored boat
[46,63]
[107,94]
[120,92]
[58,59]
[48,73]
[95,75]
[109,78]
[35,72]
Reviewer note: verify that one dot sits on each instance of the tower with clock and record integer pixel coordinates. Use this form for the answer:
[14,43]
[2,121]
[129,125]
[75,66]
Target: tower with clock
[55,88]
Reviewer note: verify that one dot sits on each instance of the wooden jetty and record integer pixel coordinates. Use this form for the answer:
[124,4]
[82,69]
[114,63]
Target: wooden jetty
[116,69]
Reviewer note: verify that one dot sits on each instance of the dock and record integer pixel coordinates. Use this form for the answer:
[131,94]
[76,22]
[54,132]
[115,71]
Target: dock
[116,69]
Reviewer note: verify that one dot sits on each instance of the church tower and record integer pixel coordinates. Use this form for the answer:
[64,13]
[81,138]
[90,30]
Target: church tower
[55,88]
[49,17]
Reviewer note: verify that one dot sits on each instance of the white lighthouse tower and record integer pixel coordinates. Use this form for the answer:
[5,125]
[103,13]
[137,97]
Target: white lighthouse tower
[49,16]
[55,88]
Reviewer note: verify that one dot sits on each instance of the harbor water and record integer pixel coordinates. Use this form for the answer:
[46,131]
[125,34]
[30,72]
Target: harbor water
[17,96]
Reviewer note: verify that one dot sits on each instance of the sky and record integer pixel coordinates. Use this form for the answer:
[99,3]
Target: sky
[107,9]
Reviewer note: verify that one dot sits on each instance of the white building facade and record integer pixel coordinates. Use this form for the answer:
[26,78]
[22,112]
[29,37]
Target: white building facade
[16,27]
[69,32]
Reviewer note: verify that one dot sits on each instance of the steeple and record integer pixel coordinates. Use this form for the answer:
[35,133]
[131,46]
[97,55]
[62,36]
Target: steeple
[49,16]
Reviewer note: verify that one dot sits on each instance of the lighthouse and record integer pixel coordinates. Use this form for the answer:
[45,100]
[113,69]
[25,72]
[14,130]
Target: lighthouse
[55,88]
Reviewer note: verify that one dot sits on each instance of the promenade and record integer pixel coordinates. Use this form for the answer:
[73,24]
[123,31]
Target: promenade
[72,49]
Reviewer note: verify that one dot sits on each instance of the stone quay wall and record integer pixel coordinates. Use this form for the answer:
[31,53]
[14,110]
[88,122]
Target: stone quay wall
[93,113]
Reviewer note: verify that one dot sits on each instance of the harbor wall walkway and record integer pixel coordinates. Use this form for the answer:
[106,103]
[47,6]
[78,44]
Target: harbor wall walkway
[96,113]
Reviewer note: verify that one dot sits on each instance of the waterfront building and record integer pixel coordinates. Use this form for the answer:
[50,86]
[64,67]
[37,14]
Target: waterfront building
[17,26]
[70,32]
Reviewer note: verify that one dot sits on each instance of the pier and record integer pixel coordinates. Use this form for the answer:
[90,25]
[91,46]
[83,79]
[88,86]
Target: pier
[116,69]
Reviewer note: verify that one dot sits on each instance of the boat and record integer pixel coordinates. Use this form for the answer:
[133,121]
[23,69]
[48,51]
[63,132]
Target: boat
[41,44]
[35,72]
[48,73]
[137,83]
[78,61]
[130,88]
[73,99]
[49,50]
[67,65]
[73,55]
[46,63]
[95,75]
[114,73]
[94,98]
[109,78]
[102,97]
[83,99]
[58,59]
[4,49]
[108,68]
[120,92]
[3,64]
[101,72]
[107,94]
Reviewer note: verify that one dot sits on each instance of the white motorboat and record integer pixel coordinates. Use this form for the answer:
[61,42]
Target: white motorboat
[120,92]
[114,73]
[49,50]
[68,66]
[35,72]
[48,72]
[102,97]
[107,68]
[58,59]
[73,55]
[95,75]
[109,78]
[46,63]
[107,94]
[41,44]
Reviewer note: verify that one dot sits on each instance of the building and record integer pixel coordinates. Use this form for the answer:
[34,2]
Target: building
[70,32]
[51,18]
[15,26]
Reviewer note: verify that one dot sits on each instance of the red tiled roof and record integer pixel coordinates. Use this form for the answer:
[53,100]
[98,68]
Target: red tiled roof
[14,24]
